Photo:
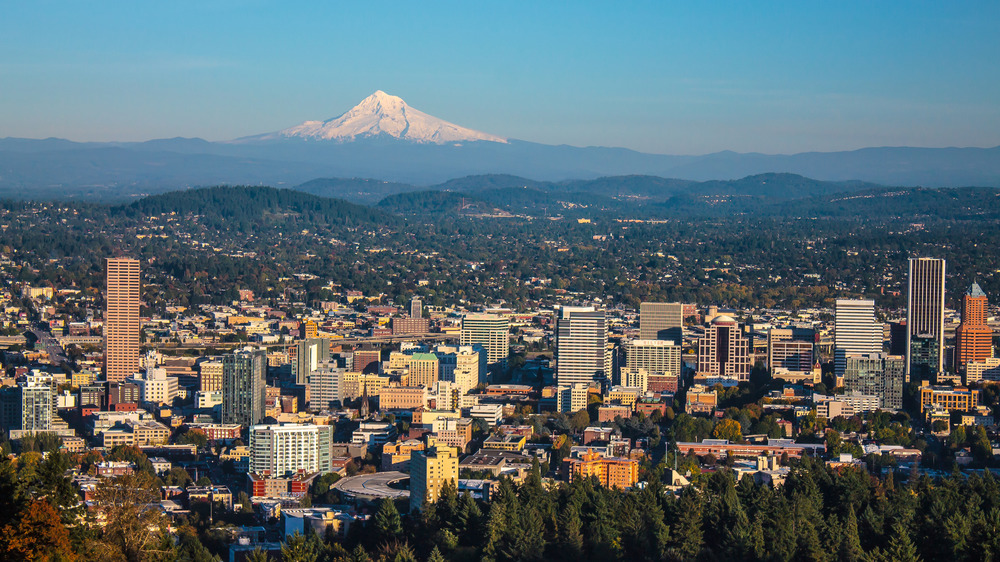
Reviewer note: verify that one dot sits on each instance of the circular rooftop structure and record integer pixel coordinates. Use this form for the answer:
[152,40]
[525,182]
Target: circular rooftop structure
[373,486]
[723,319]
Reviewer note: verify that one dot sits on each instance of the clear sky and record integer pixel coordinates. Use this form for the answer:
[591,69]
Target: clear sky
[680,78]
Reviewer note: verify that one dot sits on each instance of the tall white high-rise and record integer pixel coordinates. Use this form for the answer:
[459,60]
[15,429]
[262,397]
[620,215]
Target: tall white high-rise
[581,341]
[925,318]
[492,331]
[855,331]
[280,450]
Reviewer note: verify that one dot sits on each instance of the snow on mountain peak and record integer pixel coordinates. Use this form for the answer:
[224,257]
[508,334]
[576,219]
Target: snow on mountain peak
[381,114]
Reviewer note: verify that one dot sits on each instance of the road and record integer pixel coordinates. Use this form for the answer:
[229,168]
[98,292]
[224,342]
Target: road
[49,344]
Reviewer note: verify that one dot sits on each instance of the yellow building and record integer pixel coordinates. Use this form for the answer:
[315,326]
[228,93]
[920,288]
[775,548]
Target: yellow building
[611,472]
[397,455]
[423,369]
[623,395]
[511,442]
[429,470]
[310,329]
[947,398]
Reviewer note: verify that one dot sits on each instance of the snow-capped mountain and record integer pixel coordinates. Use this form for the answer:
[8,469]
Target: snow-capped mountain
[383,115]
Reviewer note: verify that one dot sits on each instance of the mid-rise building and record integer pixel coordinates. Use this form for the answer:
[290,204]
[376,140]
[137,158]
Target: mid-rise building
[210,376]
[492,331]
[947,398]
[121,319]
[416,308]
[661,321]
[973,338]
[283,450]
[925,319]
[878,374]
[326,386]
[581,341]
[156,387]
[430,470]
[986,370]
[724,350]
[27,407]
[424,369]
[244,379]
[611,472]
[658,357]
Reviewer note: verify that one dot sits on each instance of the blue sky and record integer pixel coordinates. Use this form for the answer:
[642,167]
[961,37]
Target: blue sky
[679,78]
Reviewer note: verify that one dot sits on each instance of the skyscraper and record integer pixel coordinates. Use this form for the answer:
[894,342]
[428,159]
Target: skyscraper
[655,356]
[492,331]
[121,319]
[973,338]
[581,341]
[925,318]
[724,350]
[416,308]
[661,321]
[243,381]
[855,331]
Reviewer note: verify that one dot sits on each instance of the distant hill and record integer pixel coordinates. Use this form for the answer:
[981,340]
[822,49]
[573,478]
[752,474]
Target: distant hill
[227,206]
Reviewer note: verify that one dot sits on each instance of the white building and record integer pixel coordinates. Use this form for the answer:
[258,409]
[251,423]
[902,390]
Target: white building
[492,414]
[155,387]
[280,450]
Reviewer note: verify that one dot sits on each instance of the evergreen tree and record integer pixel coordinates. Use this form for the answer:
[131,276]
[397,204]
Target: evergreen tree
[901,548]
[388,524]
[850,545]
[686,534]
[435,556]
[570,538]
[298,548]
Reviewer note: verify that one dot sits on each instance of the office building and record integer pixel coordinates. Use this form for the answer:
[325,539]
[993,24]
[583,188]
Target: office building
[429,471]
[492,331]
[243,381]
[121,319]
[661,321]
[309,353]
[156,387]
[947,398]
[724,350]
[876,374]
[210,376]
[973,338]
[925,318]
[986,370]
[326,387]
[855,331]
[283,450]
[416,308]
[463,365]
[659,357]
[581,341]
[790,354]
[611,472]
[368,360]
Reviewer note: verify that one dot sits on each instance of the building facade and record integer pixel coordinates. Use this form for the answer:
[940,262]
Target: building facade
[429,471]
[581,341]
[724,350]
[973,338]
[925,318]
[661,321]
[876,374]
[283,450]
[658,357]
[121,319]
[492,331]
[243,398]
[855,331]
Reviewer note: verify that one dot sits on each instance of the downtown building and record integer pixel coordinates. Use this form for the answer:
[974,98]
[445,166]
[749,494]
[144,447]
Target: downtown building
[581,343]
[876,374]
[492,331]
[925,318]
[243,381]
[661,321]
[724,351]
[973,338]
[121,319]
[284,450]
[309,353]
[855,331]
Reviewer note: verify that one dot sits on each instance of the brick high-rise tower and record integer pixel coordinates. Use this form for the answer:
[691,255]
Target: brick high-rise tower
[973,338]
[121,320]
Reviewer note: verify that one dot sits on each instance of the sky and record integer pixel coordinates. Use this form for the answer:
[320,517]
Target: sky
[660,77]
